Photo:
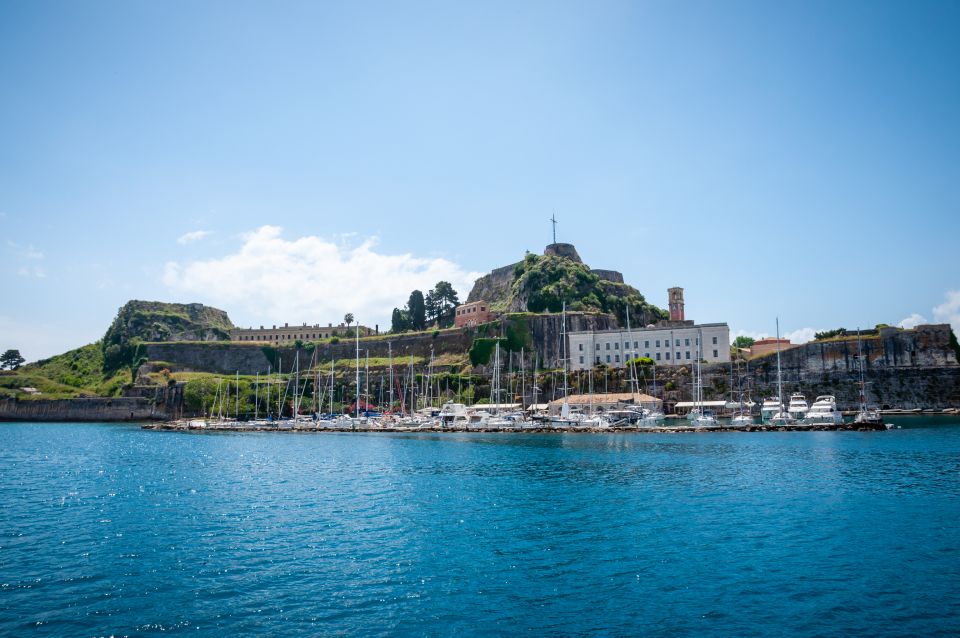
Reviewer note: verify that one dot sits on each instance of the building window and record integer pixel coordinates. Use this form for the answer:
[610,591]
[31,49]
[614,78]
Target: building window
[668,356]
[608,358]
[686,342]
[658,343]
[581,360]
[647,355]
[646,344]
[688,352]
[715,355]
[626,345]
[714,342]
[677,343]
[658,356]
[598,346]
[616,346]
[608,347]
[616,358]
[581,350]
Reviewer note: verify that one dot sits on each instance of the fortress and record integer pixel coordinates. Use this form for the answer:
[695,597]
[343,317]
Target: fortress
[495,286]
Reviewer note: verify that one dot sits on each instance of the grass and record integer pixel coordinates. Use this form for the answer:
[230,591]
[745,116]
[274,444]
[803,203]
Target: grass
[71,374]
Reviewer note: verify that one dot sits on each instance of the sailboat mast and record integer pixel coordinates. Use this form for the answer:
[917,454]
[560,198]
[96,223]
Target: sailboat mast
[863,389]
[357,335]
[256,398]
[563,350]
[390,359]
[779,380]
[267,404]
[237,410]
[279,374]
[523,383]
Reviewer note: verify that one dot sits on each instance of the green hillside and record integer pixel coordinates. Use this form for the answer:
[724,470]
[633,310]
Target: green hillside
[543,282]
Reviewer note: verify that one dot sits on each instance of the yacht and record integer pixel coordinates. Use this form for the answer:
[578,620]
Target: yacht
[824,411]
[769,407]
[798,406]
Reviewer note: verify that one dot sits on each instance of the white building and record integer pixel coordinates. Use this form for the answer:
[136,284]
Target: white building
[673,342]
[666,345]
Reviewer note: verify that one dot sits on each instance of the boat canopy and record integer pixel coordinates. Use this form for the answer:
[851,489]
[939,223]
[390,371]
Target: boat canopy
[701,404]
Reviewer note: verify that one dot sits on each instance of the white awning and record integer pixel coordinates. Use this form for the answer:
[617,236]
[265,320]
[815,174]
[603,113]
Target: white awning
[701,404]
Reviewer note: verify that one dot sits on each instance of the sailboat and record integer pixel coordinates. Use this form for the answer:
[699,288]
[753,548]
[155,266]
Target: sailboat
[866,416]
[698,416]
[742,417]
[782,417]
[565,418]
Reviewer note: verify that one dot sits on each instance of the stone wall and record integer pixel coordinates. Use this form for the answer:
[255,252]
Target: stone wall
[608,275]
[563,250]
[228,358]
[903,369]
[92,409]
[493,286]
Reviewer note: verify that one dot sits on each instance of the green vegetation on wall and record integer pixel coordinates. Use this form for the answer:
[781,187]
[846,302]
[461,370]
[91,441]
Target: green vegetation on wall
[481,350]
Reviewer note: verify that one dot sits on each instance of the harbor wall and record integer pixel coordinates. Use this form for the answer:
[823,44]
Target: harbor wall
[227,358]
[86,409]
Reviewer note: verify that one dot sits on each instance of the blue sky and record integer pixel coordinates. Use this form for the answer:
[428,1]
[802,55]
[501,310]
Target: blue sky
[792,159]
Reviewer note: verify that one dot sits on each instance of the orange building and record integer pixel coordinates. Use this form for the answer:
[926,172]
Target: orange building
[766,346]
[472,314]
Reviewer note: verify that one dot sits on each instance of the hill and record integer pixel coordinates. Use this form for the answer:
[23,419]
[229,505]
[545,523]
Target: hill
[139,321]
[543,283]
[104,367]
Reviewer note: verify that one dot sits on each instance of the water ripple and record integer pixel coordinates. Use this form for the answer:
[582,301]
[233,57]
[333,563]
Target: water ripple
[109,529]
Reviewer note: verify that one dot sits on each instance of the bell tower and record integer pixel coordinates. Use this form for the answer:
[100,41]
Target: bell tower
[675,299]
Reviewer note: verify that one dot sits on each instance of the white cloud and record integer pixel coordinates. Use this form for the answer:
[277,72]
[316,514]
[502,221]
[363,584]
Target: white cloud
[270,279]
[912,321]
[195,235]
[949,310]
[801,335]
[28,253]
[32,271]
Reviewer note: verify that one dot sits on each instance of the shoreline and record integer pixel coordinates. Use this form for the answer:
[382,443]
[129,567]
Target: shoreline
[309,428]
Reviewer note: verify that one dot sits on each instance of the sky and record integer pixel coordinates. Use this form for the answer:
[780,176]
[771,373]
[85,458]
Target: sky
[295,161]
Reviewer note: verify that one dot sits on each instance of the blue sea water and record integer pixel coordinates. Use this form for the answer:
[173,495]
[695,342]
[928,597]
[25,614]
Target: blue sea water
[112,530]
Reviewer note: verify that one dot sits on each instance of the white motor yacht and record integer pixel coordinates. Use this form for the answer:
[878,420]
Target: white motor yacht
[798,406]
[824,411]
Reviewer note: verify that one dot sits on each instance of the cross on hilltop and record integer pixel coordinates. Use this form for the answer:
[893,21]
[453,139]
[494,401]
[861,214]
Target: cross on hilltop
[553,219]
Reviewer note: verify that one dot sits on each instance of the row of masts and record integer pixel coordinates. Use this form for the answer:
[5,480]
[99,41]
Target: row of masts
[429,392]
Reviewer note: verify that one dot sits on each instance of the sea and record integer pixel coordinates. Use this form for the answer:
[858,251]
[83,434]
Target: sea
[111,530]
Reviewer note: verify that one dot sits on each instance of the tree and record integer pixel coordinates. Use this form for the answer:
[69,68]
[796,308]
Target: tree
[11,360]
[348,318]
[399,321]
[445,299]
[431,307]
[743,342]
[416,309]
